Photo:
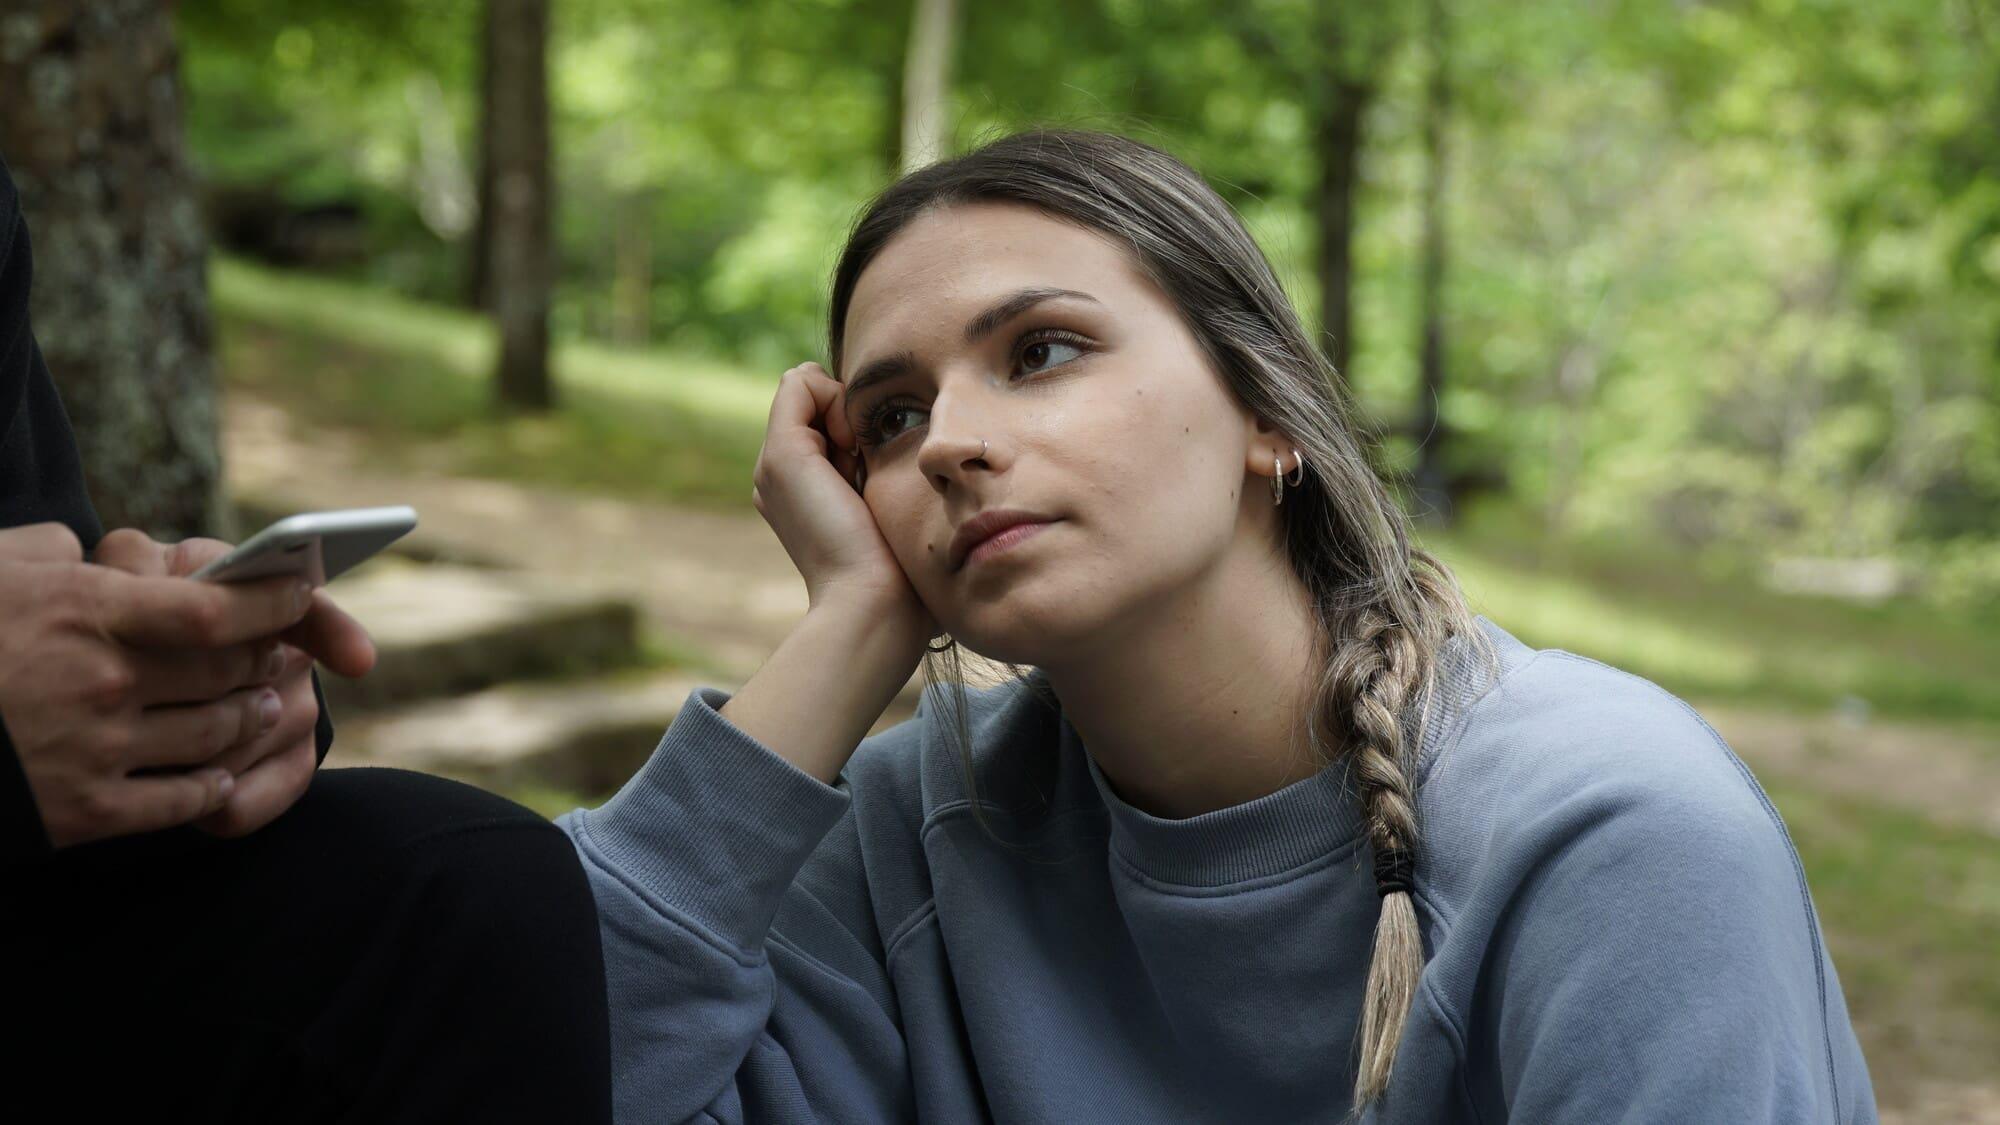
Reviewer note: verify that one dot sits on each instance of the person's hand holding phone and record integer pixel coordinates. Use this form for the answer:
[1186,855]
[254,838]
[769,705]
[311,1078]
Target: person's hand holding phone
[119,689]
[274,767]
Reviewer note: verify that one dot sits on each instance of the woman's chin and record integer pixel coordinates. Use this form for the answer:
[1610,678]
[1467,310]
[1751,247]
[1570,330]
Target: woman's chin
[1019,638]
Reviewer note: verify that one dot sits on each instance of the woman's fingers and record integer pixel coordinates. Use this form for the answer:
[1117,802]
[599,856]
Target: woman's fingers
[830,401]
[831,394]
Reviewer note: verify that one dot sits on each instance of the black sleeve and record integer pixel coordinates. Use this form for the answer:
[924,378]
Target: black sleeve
[41,479]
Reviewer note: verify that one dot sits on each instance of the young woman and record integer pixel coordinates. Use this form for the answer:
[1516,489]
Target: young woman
[1267,827]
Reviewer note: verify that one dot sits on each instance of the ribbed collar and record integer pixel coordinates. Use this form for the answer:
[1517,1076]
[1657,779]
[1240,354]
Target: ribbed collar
[1303,821]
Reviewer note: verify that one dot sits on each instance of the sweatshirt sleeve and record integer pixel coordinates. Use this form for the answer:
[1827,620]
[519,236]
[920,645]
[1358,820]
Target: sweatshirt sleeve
[714,1016]
[1661,960]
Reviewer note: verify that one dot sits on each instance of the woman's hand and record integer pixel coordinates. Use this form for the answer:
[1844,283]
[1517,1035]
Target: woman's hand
[804,487]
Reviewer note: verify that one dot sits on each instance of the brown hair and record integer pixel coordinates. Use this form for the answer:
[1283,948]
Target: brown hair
[1384,609]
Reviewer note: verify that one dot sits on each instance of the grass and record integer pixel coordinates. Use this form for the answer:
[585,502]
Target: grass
[412,378]
[1909,909]
[1722,636]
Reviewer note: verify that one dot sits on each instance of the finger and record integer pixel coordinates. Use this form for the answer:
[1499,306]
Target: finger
[803,397]
[846,451]
[147,804]
[182,613]
[132,551]
[164,677]
[197,733]
[189,555]
[265,791]
[818,410]
[831,394]
[40,543]
[299,715]
[333,637]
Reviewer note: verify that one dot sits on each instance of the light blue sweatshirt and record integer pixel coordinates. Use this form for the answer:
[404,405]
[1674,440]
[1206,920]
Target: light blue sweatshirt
[1616,928]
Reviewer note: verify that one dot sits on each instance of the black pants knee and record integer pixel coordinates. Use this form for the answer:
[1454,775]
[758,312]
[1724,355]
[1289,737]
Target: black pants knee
[395,947]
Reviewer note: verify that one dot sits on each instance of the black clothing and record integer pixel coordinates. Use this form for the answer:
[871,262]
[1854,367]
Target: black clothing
[393,947]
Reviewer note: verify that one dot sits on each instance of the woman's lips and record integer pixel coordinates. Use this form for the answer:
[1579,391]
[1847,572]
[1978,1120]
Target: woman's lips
[1000,542]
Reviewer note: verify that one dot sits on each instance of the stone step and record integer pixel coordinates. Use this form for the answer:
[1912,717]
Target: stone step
[443,630]
[584,737]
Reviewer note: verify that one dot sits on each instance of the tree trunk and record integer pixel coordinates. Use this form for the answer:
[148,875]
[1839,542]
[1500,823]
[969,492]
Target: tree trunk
[927,82]
[477,268]
[91,127]
[516,128]
[892,106]
[1342,104]
[1434,499]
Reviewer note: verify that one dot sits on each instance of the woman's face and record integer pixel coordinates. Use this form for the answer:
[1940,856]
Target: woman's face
[1099,410]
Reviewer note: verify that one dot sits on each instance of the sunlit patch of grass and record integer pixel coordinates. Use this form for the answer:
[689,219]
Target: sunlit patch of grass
[460,343]
[1722,635]
[411,408]
[1909,908]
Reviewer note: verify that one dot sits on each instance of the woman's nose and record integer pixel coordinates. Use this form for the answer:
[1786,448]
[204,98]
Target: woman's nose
[944,454]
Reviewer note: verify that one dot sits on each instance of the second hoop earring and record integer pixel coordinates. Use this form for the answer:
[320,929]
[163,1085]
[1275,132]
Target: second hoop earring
[1279,479]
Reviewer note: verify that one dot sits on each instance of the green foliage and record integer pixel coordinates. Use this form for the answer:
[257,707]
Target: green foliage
[1725,273]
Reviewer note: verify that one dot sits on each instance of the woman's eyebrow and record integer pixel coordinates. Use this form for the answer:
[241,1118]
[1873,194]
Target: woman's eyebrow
[976,329]
[1013,305]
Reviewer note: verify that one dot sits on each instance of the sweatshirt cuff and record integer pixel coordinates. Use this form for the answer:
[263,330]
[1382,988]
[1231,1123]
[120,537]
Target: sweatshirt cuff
[715,825]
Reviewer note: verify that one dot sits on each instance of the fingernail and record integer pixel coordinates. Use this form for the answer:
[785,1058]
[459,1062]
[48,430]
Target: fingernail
[302,597]
[225,785]
[274,662]
[268,710]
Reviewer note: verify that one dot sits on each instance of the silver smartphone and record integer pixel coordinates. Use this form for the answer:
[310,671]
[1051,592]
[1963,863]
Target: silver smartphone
[317,546]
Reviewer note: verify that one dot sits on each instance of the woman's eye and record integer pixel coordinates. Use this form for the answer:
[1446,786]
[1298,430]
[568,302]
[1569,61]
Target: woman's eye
[1034,356]
[881,432]
[1040,354]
